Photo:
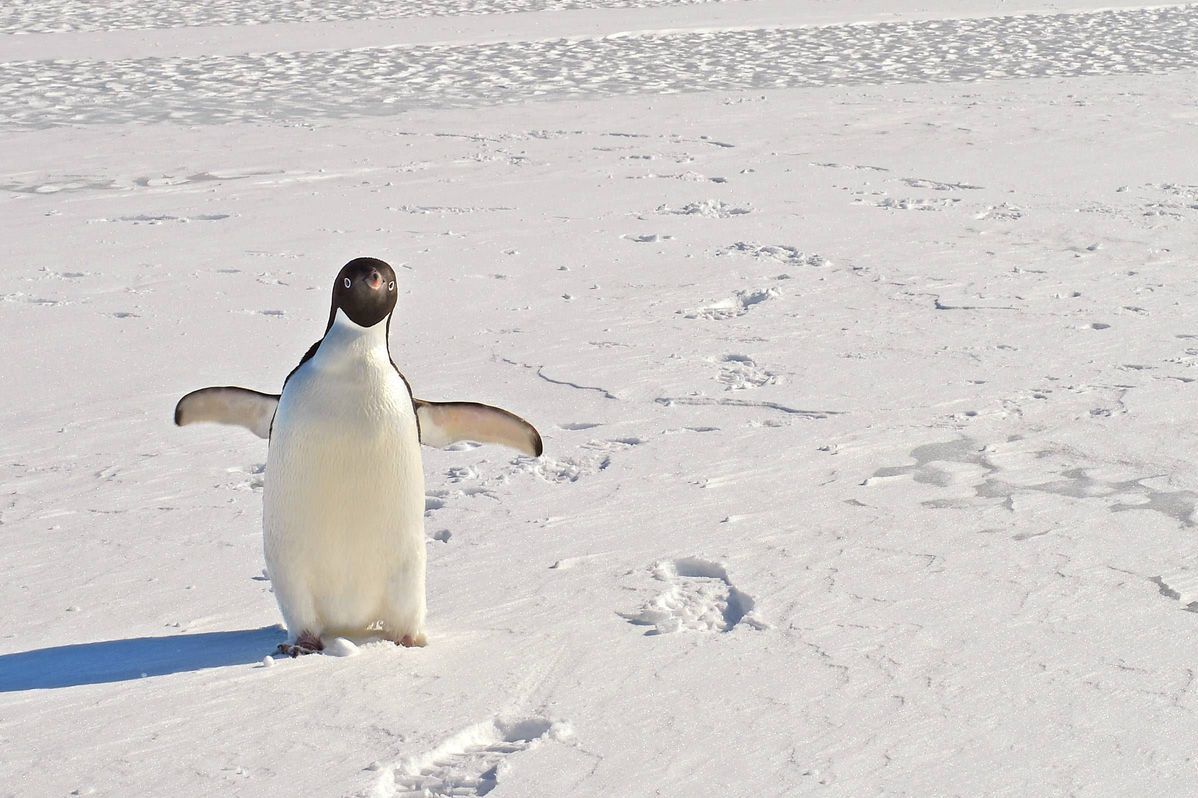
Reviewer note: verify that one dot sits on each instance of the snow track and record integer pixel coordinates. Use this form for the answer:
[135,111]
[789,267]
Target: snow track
[699,597]
[469,763]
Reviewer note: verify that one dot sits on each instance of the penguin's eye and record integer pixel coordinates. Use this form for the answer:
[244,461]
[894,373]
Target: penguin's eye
[391,286]
[347,282]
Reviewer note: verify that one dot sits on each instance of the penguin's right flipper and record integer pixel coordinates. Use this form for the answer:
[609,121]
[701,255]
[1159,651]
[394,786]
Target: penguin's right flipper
[229,405]
[443,423]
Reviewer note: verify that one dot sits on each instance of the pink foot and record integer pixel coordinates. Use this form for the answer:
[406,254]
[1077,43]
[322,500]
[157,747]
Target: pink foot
[307,643]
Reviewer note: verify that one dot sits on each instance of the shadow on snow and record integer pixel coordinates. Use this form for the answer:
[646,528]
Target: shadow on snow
[122,660]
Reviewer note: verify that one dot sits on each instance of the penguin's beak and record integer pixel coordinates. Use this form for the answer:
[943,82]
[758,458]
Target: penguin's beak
[375,280]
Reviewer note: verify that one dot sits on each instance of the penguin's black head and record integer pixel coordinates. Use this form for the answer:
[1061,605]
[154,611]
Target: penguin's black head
[364,291]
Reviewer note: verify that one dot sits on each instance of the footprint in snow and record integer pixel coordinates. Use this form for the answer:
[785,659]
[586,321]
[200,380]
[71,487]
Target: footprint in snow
[937,185]
[471,762]
[737,305]
[567,469]
[699,597]
[916,204]
[741,372]
[781,253]
[254,477]
[1003,212]
[709,209]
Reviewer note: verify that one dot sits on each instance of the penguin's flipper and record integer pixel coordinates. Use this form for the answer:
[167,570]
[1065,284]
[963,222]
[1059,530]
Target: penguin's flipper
[443,423]
[229,405]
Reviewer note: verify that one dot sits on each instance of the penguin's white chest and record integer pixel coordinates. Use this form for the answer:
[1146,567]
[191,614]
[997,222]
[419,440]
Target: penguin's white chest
[343,501]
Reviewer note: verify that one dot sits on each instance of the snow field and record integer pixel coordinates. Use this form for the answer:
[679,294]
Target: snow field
[866,409]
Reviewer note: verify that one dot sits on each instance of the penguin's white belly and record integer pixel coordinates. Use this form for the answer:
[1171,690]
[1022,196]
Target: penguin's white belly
[343,501]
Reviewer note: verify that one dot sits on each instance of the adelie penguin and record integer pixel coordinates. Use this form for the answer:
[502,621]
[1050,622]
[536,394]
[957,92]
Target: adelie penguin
[343,500]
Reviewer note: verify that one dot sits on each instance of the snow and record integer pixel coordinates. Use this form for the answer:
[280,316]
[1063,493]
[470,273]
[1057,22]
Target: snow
[864,356]
[384,80]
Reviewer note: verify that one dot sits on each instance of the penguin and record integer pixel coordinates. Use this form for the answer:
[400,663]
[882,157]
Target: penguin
[343,497]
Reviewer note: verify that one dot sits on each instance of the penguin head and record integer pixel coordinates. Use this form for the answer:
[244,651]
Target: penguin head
[364,291]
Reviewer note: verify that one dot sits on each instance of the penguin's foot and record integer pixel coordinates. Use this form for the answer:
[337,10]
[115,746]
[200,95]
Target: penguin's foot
[413,641]
[306,643]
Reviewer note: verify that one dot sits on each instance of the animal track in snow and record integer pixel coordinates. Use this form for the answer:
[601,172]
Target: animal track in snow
[688,176]
[916,204]
[936,185]
[1174,200]
[461,474]
[146,218]
[446,210]
[1002,212]
[567,469]
[740,372]
[788,255]
[471,762]
[709,208]
[698,597]
[255,476]
[737,305]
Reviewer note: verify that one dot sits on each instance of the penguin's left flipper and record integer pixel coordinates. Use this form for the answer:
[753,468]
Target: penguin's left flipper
[443,423]
[229,405]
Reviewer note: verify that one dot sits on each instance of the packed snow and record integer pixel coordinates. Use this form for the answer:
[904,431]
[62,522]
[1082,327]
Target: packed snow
[862,341]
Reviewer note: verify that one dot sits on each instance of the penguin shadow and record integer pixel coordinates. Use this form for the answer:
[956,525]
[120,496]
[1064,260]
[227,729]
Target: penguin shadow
[135,658]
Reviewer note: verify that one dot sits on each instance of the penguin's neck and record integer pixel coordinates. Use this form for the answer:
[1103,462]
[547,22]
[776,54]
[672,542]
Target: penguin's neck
[347,343]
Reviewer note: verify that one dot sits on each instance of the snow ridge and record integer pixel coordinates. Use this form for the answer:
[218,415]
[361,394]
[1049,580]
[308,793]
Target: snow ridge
[73,15]
[383,81]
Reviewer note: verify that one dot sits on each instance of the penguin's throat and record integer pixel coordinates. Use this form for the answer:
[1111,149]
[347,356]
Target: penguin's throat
[347,340]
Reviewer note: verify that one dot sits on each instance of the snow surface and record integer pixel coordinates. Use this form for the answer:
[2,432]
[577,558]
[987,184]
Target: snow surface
[865,358]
